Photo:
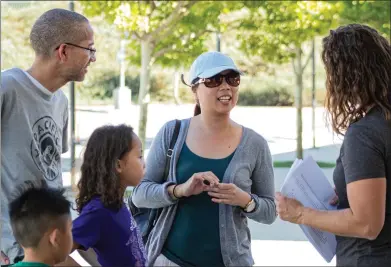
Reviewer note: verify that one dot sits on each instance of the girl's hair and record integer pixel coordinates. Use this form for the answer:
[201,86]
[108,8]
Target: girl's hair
[358,64]
[106,145]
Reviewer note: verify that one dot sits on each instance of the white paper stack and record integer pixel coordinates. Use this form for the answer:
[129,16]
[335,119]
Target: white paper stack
[307,183]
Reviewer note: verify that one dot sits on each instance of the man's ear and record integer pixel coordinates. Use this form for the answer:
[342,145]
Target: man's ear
[62,52]
[118,166]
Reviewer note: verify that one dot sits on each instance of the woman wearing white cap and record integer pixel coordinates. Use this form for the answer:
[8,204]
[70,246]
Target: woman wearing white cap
[221,174]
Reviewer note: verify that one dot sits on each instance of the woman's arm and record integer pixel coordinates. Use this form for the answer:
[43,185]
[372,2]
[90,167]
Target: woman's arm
[263,189]
[88,257]
[152,191]
[363,160]
[69,261]
[365,217]
[75,246]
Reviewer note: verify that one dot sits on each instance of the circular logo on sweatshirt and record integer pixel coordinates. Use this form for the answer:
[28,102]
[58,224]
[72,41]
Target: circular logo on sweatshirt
[46,147]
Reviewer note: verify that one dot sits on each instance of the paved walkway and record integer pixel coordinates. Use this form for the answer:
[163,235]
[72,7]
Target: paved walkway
[286,253]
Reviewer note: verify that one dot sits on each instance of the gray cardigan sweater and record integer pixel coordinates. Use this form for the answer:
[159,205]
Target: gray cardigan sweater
[251,169]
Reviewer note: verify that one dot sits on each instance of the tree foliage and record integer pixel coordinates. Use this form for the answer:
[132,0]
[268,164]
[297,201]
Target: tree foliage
[374,13]
[278,31]
[170,33]
[177,30]
[16,22]
[274,29]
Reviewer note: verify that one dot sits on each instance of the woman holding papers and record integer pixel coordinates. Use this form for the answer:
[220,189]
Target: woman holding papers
[221,174]
[358,67]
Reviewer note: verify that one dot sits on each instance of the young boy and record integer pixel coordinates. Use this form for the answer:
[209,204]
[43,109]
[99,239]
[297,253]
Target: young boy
[42,225]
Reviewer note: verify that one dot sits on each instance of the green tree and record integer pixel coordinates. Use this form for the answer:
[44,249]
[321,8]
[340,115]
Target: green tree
[374,13]
[17,18]
[279,31]
[169,33]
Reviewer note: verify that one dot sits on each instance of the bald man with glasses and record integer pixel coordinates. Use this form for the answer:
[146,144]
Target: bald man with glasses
[34,111]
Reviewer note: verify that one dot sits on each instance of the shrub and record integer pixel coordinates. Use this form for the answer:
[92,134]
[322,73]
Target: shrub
[267,97]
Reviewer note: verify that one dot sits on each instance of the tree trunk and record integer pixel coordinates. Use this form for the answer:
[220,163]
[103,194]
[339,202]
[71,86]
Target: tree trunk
[144,97]
[299,102]
[177,80]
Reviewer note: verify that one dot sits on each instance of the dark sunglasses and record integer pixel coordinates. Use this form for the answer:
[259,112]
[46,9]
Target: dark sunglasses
[232,78]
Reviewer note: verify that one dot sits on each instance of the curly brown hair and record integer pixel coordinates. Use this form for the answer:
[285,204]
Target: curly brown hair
[106,145]
[357,60]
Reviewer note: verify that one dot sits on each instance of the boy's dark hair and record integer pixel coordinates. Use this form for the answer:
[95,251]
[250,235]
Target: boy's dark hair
[106,145]
[35,210]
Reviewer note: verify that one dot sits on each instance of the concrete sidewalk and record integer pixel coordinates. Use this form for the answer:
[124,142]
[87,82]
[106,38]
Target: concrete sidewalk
[286,253]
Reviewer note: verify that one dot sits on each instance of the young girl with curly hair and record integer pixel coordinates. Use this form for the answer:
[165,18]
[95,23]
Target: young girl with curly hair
[112,161]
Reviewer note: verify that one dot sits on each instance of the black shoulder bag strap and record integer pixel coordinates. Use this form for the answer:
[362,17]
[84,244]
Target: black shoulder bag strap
[155,216]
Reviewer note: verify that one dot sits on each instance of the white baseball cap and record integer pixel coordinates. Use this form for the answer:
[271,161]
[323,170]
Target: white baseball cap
[209,64]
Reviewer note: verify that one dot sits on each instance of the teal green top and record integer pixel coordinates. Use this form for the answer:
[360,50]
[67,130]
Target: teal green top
[30,264]
[194,239]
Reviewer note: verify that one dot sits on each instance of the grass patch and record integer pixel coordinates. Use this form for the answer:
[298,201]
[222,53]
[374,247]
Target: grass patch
[288,164]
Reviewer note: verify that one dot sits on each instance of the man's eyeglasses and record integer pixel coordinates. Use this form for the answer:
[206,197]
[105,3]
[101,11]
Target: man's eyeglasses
[232,78]
[91,50]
